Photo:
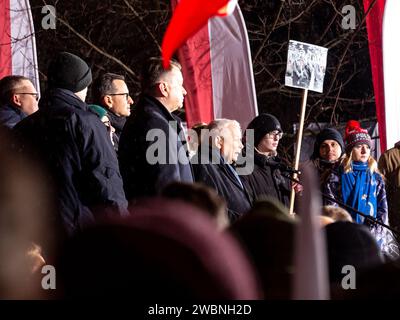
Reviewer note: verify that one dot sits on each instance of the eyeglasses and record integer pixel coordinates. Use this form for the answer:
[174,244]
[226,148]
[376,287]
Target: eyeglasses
[119,94]
[36,95]
[274,134]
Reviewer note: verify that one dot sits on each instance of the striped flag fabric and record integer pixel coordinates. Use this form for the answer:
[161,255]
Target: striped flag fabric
[17,40]
[383,24]
[217,67]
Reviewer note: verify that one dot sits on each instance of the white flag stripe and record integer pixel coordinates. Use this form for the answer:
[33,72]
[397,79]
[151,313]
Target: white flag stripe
[23,46]
[234,95]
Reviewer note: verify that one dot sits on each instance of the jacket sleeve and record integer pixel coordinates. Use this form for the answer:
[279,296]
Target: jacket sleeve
[331,188]
[101,177]
[382,206]
[168,153]
[384,236]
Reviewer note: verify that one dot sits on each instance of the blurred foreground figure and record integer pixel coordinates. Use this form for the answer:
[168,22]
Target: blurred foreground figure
[267,232]
[201,197]
[165,250]
[26,230]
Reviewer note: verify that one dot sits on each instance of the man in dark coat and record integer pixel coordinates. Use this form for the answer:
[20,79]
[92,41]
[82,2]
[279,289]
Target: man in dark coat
[152,150]
[74,146]
[215,168]
[111,93]
[18,98]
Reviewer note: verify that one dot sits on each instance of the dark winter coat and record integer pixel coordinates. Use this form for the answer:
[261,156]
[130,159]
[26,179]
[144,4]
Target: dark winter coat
[75,147]
[221,178]
[10,116]
[149,164]
[118,123]
[267,179]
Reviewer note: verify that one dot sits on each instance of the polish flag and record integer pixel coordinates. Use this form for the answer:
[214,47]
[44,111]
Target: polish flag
[213,48]
[17,40]
[383,24]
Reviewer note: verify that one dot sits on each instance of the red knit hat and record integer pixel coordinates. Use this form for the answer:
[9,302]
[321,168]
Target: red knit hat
[355,135]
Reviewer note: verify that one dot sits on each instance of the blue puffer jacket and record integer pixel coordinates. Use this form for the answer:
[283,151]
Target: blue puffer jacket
[388,245]
[75,147]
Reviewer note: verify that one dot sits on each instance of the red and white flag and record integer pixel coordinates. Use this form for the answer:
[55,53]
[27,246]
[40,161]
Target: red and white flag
[17,40]
[383,24]
[216,60]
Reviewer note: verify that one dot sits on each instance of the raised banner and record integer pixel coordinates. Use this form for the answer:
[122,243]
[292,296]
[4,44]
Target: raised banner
[17,40]
[217,70]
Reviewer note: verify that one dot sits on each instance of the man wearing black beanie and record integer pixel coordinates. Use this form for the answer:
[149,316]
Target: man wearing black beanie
[73,144]
[328,152]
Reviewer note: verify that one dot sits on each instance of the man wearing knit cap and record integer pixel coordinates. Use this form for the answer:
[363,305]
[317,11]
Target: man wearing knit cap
[74,146]
[328,151]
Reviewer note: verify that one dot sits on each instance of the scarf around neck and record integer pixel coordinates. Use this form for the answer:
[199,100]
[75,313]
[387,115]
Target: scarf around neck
[359,190]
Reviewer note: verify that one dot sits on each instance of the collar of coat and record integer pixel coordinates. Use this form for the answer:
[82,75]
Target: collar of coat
[157,105]
[66,96]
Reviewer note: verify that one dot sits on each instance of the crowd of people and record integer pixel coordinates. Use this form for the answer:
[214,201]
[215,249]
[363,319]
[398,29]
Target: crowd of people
[116,196]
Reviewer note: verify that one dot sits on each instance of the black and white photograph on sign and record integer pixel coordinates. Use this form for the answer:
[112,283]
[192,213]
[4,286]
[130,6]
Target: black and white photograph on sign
[306,66]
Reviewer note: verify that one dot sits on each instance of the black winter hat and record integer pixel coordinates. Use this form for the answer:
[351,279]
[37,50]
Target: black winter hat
[350,244]
[263,124]
[68,71]
[327,134]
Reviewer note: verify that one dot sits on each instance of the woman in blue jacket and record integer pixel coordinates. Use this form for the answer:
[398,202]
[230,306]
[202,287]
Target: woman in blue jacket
[358,183]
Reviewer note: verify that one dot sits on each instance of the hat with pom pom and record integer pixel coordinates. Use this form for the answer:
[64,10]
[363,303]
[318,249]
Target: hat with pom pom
[355,135]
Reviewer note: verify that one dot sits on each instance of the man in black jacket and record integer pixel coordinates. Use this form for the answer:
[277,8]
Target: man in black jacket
[152,149]
[111,93]
[18,99]
[214,165]
[74,146]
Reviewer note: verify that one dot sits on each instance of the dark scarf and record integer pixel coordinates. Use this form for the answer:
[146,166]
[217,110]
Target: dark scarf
[359,190]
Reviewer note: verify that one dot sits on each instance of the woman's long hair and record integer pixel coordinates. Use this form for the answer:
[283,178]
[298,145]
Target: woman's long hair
[348,160]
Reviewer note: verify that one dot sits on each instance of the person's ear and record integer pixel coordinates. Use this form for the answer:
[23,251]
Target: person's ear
[16,100]
[218,142]
[163,89]
[107,101]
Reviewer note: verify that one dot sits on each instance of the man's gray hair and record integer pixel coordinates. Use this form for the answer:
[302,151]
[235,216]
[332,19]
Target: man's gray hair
[220,125]
[222,128]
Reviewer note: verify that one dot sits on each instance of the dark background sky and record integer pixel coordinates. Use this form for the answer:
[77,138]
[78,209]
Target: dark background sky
[118,35]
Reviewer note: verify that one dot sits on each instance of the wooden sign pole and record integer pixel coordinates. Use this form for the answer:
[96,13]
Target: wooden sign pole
[298,146]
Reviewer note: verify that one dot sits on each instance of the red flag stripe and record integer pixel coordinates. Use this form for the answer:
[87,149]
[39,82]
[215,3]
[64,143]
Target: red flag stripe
[5,41]
[189,16]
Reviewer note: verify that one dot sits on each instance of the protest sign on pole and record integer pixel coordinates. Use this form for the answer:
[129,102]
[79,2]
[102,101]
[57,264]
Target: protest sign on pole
[305,69]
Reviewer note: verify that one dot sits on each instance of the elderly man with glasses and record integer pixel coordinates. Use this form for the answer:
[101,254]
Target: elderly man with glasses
[269,177]
[18,99]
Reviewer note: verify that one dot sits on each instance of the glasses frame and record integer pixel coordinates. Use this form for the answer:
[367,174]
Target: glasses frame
[36,95]
[272,135]
[126,94]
